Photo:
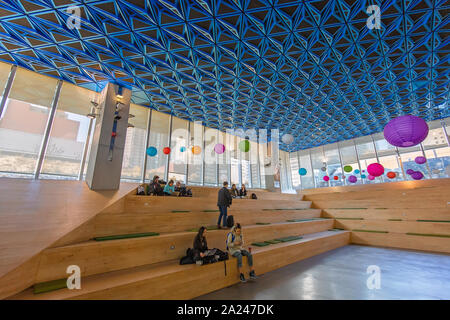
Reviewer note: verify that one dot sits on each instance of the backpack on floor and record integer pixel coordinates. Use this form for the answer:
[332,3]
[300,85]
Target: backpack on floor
[188,259]
[230,221]
[253,196]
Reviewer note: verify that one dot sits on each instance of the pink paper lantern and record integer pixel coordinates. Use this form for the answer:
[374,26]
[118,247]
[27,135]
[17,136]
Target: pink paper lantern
[375,169]
[326,178]
[371,177]
[219,148]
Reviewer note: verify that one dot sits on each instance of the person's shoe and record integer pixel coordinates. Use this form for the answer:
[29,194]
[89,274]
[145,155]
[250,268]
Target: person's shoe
[252,274]
[242,278]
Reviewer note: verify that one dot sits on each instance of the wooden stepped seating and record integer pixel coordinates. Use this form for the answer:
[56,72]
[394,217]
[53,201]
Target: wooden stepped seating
[168,280]
[409,215]
[123,223]
[169,204]
[211,192]
[99,257]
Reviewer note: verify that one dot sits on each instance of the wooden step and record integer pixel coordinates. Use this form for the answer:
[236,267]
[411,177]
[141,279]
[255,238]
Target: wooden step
[99,257]
[396,226]
[123,223]
[401,240]
[405,214]
[168,280]
[144,204]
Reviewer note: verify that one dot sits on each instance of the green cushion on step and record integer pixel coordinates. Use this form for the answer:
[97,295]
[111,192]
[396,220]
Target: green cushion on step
[177,211]
[300,220]
[428,235]
[49,286]
[287,239]
[260,244]
[273,241]
[374,231]
[127,236]
[433,220]
[262,223]
[335,229]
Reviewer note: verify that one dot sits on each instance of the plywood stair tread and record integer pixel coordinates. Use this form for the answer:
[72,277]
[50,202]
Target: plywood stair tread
[113,279]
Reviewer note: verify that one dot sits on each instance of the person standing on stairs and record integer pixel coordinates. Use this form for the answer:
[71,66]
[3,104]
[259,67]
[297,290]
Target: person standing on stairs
[235,243]
[223,202]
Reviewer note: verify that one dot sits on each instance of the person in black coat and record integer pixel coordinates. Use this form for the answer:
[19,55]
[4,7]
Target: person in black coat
[200,244]
[223,202]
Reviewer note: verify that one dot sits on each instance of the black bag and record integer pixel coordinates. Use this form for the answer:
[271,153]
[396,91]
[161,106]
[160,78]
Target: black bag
[253,196]
[230,221]
[209,259]
[222,255]
[189,258]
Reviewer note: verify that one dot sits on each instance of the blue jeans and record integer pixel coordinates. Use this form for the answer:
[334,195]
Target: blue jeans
[239,254]
[223,213]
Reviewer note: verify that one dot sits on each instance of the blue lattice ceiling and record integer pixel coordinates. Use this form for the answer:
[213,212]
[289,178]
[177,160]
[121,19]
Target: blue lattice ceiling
[309,68]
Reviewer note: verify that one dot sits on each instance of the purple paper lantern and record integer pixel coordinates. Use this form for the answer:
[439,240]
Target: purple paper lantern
[352,179]
[406,131]
[410,171]
[417,175]
[420,160]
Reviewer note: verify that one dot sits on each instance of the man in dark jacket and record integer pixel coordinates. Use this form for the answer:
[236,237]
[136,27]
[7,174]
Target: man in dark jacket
[223,202]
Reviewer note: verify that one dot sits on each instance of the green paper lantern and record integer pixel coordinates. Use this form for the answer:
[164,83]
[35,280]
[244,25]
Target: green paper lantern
[348,168]
[244,145]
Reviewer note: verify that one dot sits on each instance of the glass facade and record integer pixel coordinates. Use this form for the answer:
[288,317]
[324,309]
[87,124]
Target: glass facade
[25,118]
[356,154]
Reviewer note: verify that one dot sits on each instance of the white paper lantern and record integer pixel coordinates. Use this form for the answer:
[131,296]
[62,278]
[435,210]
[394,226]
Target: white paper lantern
[287,138]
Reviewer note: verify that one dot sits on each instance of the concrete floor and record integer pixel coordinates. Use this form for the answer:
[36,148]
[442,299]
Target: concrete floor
[342,274]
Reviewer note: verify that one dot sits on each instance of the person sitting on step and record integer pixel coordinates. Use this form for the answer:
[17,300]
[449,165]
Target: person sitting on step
[234,191]
[235,243]
[182,190]
[243,191]
[155,187]
[200,245]
[169,189]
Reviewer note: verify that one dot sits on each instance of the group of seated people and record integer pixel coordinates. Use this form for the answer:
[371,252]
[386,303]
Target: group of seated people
[235,247]
[159,187]
[238,193]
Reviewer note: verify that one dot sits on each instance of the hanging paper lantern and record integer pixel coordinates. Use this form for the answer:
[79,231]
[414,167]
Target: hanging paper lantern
[336,178]
[406,131]
[219,148]
[196,150]
[375,169]
[151,151]
[183,149]
[363,176]
[244,145]
[323,169]
[391,175]
[326,178]
[348,168]
[287,138]
[371,177]
[302,171]
[166,150]
[417,175]
[410,171]
[352,179]
[357,171]
[420,160]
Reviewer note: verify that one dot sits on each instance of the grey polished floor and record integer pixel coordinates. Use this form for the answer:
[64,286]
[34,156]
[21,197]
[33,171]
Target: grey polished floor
[342,274]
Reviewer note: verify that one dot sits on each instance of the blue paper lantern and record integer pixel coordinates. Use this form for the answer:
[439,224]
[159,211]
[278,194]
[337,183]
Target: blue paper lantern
[357,171]
[182,149]
[151,151]
[302,171]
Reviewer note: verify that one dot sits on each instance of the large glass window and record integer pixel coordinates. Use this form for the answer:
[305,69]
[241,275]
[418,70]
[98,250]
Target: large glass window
[69,133]
[293,158]
[318,163]
[4,75]
[134,153]
[224,168]
[195,158]
[366,153]
[307,180]
[387,155]
[254,165]
[23,122]
[333,164]
[179,149]
[159,138]
[211,138]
